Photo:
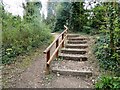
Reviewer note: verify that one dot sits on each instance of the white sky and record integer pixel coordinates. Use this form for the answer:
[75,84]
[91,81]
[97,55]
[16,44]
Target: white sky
[15,7]
[44,8]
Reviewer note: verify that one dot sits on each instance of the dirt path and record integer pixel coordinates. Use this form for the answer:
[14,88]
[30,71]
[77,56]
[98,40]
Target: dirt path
[16,77]
[33,76]
[28,72]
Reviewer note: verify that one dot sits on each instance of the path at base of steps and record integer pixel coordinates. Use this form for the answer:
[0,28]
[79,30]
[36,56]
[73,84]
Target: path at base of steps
[69,81]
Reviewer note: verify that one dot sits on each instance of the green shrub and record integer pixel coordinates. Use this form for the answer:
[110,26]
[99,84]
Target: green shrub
[108,83]
[20,36]
[102,52]
[86,29]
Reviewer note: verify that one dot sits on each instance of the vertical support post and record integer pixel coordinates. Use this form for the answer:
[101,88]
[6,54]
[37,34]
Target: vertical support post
[62,39]
[47,71]
[48,55]
[57,43]
[66,33]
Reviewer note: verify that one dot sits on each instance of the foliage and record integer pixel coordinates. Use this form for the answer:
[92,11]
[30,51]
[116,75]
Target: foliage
[62,16]
[75,16]
[71,14]
[20,36]
[98,17]
[102,52]
[51,15]
[87,29]
[108,83]
[107,44]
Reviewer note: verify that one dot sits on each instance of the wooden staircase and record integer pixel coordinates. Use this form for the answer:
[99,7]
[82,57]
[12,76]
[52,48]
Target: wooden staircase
[73,58]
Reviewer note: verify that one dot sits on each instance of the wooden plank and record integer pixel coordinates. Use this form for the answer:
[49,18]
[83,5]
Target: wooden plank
[49,47]
[47,51]
[84,73]
[57,43]
[56,51]
[62,39]
[48,55]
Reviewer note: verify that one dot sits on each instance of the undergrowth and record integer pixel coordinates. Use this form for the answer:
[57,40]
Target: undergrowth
[102,52]
[20,36]
[108,83]
[108,63]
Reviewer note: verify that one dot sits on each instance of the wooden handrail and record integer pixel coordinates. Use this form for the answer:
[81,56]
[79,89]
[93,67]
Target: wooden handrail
[58,45]
[49,47]
[56,50]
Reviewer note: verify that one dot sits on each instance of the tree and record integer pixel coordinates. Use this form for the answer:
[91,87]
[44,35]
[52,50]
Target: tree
[63,17]
[73,15]
[32,11]
[51,15]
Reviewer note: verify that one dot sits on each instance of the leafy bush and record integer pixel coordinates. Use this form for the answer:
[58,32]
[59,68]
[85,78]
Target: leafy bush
[20,36]
[102,52]
[86,29]
[108,83]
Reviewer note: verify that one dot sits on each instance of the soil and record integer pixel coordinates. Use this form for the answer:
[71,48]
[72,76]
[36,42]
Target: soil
[33,75]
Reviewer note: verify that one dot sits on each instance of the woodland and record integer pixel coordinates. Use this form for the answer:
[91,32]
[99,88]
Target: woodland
[20,36]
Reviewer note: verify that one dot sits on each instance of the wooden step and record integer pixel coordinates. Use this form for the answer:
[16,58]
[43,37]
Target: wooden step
[66,67]
[78,38]
[73,72]
[80,46]
[73,35]
[76,57]
[76,41]
[73,51]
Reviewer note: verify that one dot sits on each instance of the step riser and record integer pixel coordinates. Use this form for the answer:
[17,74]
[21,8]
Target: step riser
[79,47]
[77,38]
[74,73]
[74,58]
[73,52]
[70,36]
[77,42]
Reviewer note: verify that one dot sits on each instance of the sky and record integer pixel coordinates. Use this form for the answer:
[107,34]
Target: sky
[44,8]
[15,7]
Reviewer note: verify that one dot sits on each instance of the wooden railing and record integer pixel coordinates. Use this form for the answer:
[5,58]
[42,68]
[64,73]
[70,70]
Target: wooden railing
[58,43]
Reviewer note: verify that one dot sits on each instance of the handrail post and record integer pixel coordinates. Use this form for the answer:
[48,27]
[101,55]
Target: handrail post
[48,55]
[57,43]
[62,39]
[47,71]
